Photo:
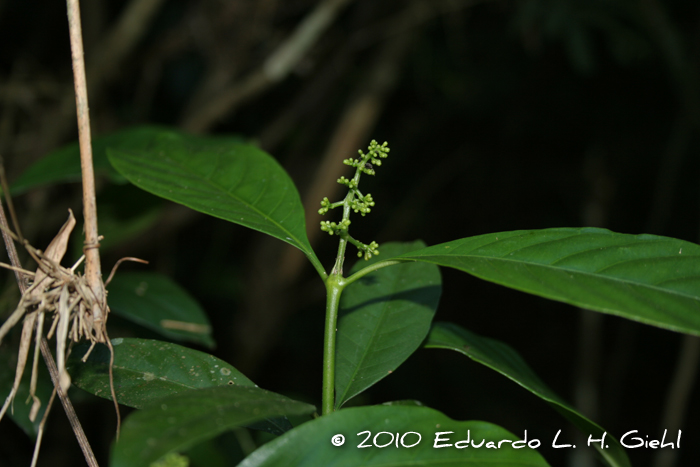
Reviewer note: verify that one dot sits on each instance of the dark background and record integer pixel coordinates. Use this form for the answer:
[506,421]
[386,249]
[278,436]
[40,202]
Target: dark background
[501,115]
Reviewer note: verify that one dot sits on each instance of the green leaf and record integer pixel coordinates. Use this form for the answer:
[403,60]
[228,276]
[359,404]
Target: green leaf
[409,402]
[172,459]
[125,213]
[180,421]
[384,317]
[118,231]
[221,177]
[309,445]
[147,370]
[213,453]
[156,302]
[645,278]
[63,165]
[502,358]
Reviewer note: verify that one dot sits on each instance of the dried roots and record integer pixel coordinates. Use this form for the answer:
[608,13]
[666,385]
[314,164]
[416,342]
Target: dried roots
[65,297]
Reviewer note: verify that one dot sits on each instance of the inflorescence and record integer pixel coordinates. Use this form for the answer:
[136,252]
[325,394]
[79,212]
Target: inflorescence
[355,200]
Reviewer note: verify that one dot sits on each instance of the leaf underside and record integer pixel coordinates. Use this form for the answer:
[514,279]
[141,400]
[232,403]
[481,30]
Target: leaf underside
[503,359]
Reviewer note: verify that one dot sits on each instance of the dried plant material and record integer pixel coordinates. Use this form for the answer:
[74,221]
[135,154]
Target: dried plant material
[40,431]
[185,326]
[35,366]
[25,343]
[66,297]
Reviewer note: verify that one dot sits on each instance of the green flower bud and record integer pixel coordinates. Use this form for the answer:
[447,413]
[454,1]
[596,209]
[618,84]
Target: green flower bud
[329,227]
[358,202]
[325,206]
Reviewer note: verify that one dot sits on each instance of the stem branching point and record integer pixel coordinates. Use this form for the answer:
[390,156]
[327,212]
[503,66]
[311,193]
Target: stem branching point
[359,203]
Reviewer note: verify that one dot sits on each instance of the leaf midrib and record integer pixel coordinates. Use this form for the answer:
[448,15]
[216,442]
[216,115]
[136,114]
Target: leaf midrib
[551,268]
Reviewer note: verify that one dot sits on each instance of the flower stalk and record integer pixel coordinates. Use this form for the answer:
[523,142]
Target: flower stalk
[355,202]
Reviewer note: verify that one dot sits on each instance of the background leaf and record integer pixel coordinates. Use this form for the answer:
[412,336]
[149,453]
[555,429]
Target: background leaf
[63,165]
[384,317]
[221,177]
[309,445]
[147,370]
[126,213]
[409,402]
[502,358]
[182,420]
[645,278]
[156,302]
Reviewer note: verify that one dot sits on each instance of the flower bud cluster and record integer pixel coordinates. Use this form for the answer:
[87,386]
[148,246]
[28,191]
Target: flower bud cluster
[363,204]
[355,200]
[333,228]
[352,184]
[368,250]
[374,156]
[325,206]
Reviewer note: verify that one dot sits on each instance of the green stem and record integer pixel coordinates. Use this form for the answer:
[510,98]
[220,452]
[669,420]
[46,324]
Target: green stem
[335,283]
[334,287]
[340,259]
[371,268]
[360,246]
[343,243]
